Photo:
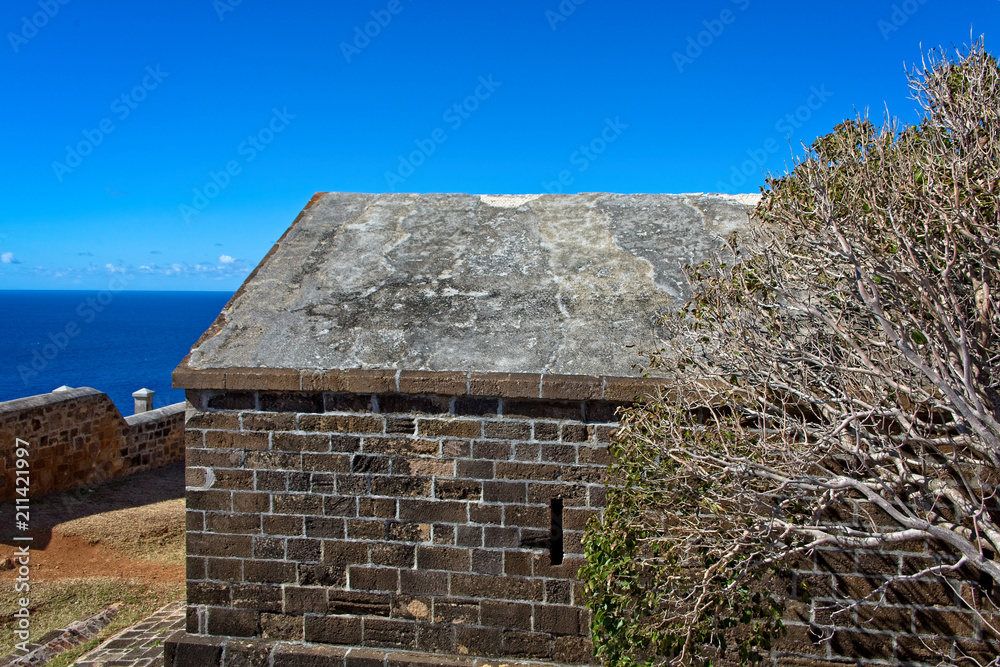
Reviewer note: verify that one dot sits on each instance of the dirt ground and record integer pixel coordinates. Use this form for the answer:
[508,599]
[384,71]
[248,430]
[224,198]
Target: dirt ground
[132,527]
[121,542]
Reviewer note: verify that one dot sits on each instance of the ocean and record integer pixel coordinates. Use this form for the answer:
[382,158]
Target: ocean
[115,342]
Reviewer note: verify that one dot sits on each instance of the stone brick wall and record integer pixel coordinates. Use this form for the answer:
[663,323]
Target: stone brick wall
[905,616]
[393,521]
[78,437]
[358,518]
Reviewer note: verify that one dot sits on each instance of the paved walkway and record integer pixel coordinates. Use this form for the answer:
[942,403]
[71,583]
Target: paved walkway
[140,645]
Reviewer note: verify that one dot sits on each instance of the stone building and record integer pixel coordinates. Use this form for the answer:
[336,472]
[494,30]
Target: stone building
[397,428]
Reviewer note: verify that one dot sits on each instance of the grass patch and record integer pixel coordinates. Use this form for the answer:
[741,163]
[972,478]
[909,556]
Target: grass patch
[152,532]
[56,604]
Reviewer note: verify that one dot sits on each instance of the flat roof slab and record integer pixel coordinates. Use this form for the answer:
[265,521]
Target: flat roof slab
[547,284]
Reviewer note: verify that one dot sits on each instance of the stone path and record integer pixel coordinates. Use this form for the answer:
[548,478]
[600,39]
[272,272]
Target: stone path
[58,641]
[140,645]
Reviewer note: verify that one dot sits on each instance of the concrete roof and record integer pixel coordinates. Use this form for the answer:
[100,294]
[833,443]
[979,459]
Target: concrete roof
[544,284]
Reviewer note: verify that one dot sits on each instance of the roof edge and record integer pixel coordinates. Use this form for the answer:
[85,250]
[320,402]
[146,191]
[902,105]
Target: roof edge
[445,383]
[220,321]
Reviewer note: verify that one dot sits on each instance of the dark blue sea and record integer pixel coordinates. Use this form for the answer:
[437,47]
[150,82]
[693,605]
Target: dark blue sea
[115,342]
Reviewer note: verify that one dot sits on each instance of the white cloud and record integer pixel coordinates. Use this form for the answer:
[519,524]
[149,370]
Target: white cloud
[114,269]
[8,258]
[226,259]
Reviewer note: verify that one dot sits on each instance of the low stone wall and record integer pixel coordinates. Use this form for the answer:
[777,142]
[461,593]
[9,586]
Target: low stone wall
[78,437]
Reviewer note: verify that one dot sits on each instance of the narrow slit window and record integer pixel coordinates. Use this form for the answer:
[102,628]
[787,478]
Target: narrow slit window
[556,532]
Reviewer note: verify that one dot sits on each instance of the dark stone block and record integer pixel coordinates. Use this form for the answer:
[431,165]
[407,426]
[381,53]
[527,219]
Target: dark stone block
[360,604]
[507,430]
[248,653]
[305,600]
[348,402]
[546,431]
[475,469]
[479,641]
[487,561]
[322,575]
[280,626]
[304,550]
[444,558]
[505,492]
[291,402]
[401,425]
[325,527]
[434,638]
[432,511]
[476,407]
[259,597]
[557,620]
[559,453]
[393,555]
[333,629]
[491,450]
[233,400]
[300,442]
[602,411]
[208,592]
[458,490]
[526,409]
[418,582]
[374,578]
[297,655]
[233,622]
[184,650]
[390,632]
[359,529]
[270,480]
[505,614]
[573,433]
[402,403]
[269,571]
[527,645]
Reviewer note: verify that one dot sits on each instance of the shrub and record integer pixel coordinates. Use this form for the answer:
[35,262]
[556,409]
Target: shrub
[842,364]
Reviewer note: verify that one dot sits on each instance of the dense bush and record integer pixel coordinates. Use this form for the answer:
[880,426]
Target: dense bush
[847,355]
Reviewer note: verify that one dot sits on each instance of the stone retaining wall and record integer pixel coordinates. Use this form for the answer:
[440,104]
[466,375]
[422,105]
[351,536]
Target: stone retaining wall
[78,437]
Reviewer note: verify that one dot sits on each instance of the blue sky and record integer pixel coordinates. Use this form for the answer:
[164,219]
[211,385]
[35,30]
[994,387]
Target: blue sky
[171,143]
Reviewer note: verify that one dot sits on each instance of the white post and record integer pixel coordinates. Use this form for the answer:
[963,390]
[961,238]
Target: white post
[143,400]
